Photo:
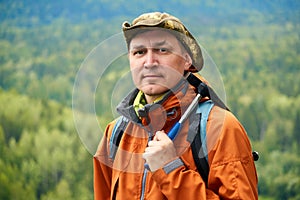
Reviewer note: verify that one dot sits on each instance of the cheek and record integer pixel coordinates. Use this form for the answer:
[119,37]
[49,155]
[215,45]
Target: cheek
[172,79]
[135,75]
[174,73]
[135,64]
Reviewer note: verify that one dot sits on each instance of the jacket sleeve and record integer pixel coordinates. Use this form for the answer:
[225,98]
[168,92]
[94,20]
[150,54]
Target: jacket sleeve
[232,169]
[232,172]
[102,180]
[182,183]
[102,169]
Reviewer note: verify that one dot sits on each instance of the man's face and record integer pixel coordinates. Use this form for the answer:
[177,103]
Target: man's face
[157,61]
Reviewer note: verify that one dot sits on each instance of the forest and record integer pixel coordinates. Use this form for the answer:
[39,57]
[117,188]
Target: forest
[46,147]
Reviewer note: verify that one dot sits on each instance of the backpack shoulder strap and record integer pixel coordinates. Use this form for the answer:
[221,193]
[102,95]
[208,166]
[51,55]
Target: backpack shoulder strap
[116,135]
[198,144]
[204,109]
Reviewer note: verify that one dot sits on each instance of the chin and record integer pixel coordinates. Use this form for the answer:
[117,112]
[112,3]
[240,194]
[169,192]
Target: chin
[154,90]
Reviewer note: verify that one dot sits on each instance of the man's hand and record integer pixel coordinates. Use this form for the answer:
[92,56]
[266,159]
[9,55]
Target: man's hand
[160,151]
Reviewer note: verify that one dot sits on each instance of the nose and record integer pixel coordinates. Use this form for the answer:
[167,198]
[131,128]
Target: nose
[150,59]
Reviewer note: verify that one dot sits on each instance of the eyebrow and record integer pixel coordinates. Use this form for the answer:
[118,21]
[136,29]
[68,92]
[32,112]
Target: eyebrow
[162,43]
[155,45]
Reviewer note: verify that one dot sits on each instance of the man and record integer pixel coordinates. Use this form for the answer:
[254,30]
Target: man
[146,163]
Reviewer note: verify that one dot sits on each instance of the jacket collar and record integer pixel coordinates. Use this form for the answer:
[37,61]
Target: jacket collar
[160,113]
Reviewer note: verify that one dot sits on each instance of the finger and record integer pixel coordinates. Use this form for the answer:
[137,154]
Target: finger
[154,143]
[160,135]
[145,155]
[149,149]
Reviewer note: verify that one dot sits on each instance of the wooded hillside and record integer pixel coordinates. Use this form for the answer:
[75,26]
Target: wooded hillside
[255,45]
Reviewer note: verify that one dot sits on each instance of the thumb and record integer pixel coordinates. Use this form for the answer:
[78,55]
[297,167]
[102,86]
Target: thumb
[160,135]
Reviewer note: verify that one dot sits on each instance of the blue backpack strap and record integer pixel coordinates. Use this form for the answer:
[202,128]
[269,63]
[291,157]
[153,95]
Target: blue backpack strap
[204,109]
[198,138]
[116,135]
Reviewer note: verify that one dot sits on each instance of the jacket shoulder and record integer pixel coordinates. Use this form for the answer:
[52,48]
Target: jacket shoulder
[227,136]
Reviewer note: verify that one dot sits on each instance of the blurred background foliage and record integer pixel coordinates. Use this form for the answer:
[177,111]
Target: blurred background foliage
[254,43]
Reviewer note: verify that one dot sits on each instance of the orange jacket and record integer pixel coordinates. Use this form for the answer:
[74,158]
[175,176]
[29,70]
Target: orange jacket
[232,171]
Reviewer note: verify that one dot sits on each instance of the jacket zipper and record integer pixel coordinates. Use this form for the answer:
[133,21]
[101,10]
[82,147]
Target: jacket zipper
[144,184]
[145,169]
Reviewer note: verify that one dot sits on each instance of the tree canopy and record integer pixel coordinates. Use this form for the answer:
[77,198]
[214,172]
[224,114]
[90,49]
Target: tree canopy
[255,45]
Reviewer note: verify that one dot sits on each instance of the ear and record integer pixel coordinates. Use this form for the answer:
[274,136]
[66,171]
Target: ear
[188,61]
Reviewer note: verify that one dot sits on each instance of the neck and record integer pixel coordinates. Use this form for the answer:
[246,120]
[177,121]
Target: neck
[151,98]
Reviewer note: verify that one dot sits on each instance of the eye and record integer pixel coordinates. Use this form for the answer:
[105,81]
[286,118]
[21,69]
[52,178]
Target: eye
[139,52]
[163,50]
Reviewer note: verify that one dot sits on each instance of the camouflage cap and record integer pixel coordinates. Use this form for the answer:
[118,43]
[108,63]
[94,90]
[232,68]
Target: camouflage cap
[169,22]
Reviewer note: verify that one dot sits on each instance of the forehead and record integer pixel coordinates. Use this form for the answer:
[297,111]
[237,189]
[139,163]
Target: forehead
[154,37]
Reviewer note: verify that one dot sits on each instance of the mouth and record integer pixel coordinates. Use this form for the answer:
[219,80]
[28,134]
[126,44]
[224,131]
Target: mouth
[152,76]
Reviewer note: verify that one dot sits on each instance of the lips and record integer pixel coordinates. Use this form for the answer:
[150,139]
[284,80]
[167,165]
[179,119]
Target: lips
[152,76]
